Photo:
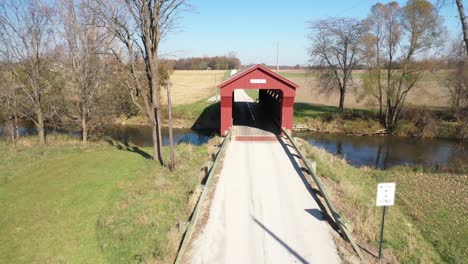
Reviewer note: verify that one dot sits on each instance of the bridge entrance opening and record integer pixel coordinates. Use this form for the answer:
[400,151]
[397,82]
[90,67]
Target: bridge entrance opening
[257,112]
[268,108]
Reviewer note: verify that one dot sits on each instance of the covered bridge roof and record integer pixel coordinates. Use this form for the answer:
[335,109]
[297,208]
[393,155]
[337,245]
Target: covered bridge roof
[258,77]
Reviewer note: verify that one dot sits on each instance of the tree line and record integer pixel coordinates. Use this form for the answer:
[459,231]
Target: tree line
[206,63]
[395,45]
[79,63]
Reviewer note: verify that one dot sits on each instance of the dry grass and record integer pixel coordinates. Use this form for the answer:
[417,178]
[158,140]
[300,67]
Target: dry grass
[192,86]
[427,223]
[428,92]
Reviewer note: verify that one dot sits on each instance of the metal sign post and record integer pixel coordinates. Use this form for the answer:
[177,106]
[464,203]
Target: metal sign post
[385,197]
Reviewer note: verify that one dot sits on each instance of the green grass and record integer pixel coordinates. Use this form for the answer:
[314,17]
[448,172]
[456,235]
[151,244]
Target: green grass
[99,204]
[252,93]
[427,224]
[328,119]
[305,110]
[199,115]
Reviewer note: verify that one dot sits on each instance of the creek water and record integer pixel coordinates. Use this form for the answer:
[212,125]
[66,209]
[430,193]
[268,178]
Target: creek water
[138,135]
[381,152]
[384,152]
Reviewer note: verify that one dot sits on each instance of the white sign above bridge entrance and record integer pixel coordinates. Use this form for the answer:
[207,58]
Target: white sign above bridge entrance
[257,80]
[385,194]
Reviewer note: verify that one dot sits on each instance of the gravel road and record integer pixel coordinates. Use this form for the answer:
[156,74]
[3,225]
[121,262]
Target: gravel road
[262,212]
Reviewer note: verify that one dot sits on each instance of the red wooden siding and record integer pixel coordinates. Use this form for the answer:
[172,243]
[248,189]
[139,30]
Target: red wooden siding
[261,78]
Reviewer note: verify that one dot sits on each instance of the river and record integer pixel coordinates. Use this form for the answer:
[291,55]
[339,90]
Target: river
[381,152]
[384,152]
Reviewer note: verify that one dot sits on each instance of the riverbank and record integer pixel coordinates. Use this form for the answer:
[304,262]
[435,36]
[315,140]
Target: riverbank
[415,122]
[426,225]
[198,115]
[100,203]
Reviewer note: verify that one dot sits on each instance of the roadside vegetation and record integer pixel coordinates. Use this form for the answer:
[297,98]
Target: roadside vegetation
[426,225]
[100,203]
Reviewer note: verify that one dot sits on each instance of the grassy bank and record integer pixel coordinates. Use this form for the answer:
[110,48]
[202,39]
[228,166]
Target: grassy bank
[427,224]
[102,203]
[415,122]
[198,115]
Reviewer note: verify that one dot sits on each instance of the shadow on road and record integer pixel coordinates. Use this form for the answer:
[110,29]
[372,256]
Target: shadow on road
[279,240]
[317,214]
[313,192]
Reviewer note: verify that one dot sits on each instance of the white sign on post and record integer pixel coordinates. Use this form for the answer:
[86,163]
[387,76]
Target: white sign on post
[386,194]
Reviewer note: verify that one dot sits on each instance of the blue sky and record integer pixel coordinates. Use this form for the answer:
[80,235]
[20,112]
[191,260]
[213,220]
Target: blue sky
[253,28]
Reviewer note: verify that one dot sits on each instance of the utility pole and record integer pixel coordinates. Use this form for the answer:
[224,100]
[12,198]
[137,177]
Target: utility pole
[171,138]
[277,57]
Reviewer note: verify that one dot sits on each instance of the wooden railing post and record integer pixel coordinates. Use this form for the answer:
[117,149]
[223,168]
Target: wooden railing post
[196,211]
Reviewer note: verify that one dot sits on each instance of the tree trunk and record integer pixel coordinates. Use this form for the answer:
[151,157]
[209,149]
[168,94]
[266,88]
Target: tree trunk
[379,83]
[388,114]
[158,141]
[171,140]
[154,137]
[40,126]
[84,130]
[464,23]
[11,131]
[15,126]
[342,97]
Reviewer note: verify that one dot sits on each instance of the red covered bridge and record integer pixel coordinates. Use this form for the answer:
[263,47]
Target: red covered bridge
[275,100]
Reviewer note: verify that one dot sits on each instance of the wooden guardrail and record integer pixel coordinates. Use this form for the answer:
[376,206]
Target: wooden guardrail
[196,211]
[312,168]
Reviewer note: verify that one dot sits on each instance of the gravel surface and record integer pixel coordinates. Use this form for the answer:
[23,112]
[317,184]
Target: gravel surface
[262,212]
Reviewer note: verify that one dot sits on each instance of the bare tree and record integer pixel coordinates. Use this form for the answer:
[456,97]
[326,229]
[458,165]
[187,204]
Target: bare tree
[8,103]
[140,26]
[25,37]
[373,42]
[85,42]
[335,44]
[457,85]
[464,22]
[410,31]
[461,15]
[457,81]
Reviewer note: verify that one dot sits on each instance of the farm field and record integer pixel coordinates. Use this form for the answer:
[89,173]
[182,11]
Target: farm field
[191,90]
[429,91]
[192,86]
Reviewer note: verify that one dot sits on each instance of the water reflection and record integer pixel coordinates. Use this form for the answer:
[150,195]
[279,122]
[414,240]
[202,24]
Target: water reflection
[385,152]
[373,151]
[141,135]
[138,135]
